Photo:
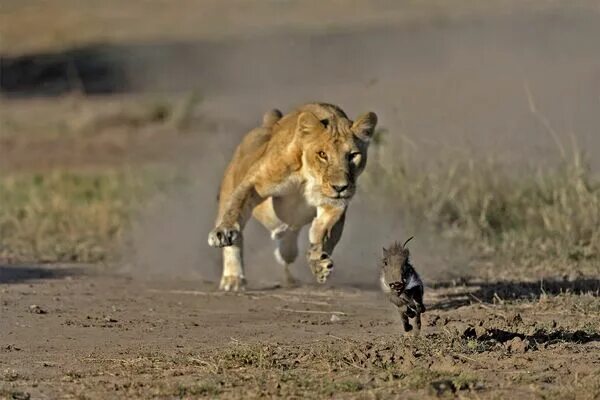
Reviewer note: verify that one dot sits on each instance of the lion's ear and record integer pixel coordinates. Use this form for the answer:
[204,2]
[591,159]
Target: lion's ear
[270,118]
[364,126]
[308,122]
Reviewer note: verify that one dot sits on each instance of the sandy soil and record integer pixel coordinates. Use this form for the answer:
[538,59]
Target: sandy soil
[85,333]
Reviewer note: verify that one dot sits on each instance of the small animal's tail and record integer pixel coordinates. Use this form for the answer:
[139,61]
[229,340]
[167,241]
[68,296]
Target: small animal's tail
[271,117]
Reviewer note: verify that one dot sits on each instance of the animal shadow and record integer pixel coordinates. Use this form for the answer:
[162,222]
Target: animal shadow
[23,273]
[539,337]
[489,292]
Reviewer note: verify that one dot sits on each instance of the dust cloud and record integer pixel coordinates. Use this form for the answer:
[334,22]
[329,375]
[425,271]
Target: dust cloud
[170,237]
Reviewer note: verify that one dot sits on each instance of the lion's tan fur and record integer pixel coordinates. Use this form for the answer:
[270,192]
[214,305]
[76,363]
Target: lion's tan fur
[292,170]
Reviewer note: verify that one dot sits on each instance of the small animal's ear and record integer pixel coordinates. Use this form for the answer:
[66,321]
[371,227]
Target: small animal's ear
[385,252]
[364,126]
[308,122]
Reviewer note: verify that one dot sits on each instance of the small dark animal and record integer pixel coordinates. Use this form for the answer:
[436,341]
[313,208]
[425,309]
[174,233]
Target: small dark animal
[402,284]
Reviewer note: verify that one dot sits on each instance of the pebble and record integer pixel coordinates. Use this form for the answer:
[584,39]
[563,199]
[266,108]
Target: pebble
[34,308]
[517,345]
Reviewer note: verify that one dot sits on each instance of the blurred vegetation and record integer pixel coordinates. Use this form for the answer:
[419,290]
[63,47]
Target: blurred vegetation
[71,216]
[544,219]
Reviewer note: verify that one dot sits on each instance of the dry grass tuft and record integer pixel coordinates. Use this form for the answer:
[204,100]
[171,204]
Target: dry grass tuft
[70,216]
[544,220]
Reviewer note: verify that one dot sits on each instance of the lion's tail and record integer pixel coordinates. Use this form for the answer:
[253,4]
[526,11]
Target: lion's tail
[271,117]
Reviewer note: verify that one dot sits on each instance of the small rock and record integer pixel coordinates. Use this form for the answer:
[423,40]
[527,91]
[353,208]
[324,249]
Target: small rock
[34,308]
[110,319]
[515,319]
[334,318]
[574,276]
[20,396]
[433,320]
[442,387]
[517,345]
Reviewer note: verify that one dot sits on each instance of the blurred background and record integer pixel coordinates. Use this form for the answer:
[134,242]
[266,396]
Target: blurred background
[117,120]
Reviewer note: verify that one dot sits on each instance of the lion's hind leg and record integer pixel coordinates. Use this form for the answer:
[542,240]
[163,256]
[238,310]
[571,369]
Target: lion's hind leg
[286,252]
[285,237]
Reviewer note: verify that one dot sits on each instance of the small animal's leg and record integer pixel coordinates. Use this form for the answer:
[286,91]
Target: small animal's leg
[286,252]
[233,267]
[418,299]
[418,321]
[325,232]
[405,323]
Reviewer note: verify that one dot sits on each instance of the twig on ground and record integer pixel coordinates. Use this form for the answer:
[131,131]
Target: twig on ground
[311,311]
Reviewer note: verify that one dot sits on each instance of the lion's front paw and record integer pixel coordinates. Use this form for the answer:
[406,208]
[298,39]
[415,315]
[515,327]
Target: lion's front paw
[321,267]
[223,236]
[232,283]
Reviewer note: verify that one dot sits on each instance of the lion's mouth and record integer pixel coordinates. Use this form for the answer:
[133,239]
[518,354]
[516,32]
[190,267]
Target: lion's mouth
[333,195]
[345,195]
[338,196]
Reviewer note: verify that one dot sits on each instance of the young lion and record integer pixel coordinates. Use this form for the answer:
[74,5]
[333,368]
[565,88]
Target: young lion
[293,170]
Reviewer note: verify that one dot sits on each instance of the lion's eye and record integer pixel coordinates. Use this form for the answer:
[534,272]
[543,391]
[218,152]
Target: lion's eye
[322,155]
[354,157]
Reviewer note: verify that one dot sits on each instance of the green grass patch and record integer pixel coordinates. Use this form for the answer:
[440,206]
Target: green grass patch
[71,216]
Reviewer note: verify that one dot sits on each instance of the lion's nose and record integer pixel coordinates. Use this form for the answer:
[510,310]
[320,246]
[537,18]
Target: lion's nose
[340,188]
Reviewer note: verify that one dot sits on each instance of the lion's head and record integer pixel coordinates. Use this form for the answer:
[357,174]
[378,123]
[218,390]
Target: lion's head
[334,151]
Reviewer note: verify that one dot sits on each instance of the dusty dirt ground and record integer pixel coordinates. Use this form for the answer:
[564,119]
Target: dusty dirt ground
[452,81]
[80,332]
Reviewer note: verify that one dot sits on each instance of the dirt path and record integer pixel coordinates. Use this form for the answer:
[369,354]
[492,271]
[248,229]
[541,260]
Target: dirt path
[81,332]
